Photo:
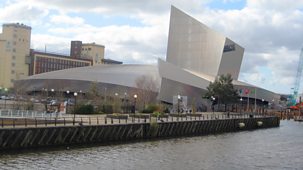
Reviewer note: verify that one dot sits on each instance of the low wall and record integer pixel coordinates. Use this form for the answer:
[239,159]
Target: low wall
[17,138]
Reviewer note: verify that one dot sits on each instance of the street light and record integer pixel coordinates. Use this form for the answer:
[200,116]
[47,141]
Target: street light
[67,99]
[75,94]
[179,98]
[263,106]
[135,97]
[241,105]
[213,104]
[125,103]
[5,96]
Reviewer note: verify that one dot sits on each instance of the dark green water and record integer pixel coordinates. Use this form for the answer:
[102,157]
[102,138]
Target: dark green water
[270,149]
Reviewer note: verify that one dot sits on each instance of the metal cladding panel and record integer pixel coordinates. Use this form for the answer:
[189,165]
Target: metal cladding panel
[231,59]
[123,75]
[172,72]
[170,88]
[192,45]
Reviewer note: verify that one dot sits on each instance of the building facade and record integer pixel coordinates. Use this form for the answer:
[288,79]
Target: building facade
[93,51]
[14,53]
[196,56]
[42,62]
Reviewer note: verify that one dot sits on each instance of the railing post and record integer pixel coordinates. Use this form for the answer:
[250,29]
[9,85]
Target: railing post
[105,120]
[112,120]
[64,121]
[119,120]
[55,121]
[81,121]
[89,120]
[2,123]
[74,120]
[25,122]
[97,120]
[45,122]
[36,122]
[13,122]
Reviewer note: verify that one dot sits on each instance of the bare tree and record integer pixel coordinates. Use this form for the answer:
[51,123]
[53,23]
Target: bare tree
[146,90]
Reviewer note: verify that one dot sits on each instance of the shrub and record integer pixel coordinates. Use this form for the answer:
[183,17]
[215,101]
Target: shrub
[107,109]
[84,109]
[151,109]
[153,131]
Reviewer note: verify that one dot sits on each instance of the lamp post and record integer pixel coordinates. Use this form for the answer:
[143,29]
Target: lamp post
[116,102]
[67,99]
[125,103]
[5,96]
[263,106]
[213,104]
[135,97]
[241,105]
[75,94]
[179,98]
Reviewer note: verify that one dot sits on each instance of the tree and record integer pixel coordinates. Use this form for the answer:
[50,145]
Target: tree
[222,91]
[146,89]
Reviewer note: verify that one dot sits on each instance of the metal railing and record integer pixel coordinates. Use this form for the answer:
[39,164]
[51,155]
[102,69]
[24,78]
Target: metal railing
[28,120]
[9,113]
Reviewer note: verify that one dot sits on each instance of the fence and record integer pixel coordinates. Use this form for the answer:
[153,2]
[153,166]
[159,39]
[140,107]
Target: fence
[13,119]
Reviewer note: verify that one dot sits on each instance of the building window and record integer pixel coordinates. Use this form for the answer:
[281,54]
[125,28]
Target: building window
[14,57]
[13,64]
[12,71]
[14,50]
[89,49]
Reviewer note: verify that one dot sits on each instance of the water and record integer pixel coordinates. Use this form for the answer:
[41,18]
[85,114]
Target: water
[270,149]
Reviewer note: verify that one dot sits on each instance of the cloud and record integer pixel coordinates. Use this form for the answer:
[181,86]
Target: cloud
[65,19]
[271,31]
[22,11]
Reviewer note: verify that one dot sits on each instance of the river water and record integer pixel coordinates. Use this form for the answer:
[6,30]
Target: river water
[270,149]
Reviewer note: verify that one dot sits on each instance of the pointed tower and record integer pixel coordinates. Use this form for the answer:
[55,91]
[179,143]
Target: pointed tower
[194,46]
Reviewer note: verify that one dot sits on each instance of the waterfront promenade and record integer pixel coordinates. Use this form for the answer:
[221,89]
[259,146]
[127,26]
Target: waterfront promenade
[30,119]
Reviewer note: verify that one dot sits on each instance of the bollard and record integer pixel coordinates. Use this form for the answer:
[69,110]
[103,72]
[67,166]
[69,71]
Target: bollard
[119,120]
[73,120]
[126,120]
[97,120]
[111,119]
[105,120]
[89,121]
[144,119]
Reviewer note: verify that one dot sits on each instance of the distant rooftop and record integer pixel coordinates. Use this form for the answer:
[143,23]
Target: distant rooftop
[20,25]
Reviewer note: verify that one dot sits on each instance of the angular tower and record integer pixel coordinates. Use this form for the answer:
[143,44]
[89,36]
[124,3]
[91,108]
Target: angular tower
[194,46]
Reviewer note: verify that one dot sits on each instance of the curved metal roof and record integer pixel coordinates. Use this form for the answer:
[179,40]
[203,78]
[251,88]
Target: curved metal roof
[124,75]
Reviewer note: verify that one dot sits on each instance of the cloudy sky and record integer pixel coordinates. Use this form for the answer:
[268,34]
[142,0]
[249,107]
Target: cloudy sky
[136,31]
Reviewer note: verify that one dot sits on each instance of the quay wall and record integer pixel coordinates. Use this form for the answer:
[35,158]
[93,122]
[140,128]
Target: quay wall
[38,137]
